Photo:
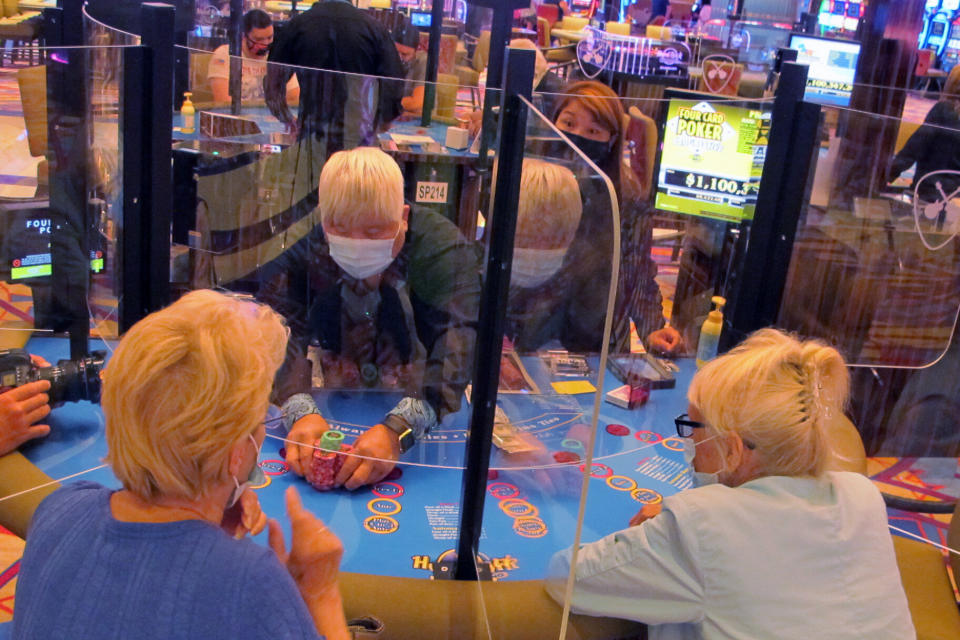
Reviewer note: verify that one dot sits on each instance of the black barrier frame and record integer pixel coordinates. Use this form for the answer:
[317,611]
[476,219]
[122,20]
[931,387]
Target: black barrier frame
[433,61]
[135,118]
[68,132]
[518,81]
[758,278]
[157,32]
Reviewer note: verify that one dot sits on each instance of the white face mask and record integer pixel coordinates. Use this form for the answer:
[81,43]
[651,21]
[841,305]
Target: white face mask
[533,267]
[361,257]
[255,478]
[700,478]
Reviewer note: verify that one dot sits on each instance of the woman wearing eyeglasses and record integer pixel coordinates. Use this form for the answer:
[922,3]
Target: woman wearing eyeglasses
[184,398]
[768,543]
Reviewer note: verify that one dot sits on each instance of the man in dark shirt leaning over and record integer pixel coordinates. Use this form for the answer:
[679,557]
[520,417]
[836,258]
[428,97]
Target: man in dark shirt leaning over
[344,110]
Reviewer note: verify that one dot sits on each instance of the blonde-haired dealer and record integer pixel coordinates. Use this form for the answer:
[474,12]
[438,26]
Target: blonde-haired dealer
[768,543]
[388,298]
[184,397]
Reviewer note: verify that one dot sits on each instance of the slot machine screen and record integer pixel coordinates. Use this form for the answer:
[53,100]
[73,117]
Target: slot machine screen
[712,156]
[27,246]
[832,66]
[419,19]
[937,29]
[853,10]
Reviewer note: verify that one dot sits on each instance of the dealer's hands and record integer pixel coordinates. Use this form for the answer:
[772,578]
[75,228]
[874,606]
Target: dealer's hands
[299,445]
[376,452]
[666,340]
[314,564]
[245,517]
[20,408]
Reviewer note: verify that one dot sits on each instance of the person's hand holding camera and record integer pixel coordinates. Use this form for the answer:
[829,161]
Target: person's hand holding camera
[20,409]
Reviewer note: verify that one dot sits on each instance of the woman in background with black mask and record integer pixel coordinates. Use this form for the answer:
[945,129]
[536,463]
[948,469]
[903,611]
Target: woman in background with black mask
[592,117]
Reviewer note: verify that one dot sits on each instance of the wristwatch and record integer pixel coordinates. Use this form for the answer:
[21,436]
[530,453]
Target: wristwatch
[405,434]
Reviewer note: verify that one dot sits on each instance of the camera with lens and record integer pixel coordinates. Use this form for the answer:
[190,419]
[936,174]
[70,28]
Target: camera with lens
[70,380]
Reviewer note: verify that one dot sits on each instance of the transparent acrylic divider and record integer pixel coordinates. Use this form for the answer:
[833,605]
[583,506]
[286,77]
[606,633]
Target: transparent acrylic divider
[97,33]
[695,163]
[566,254]
[874,272]
[59,263]
[366,335]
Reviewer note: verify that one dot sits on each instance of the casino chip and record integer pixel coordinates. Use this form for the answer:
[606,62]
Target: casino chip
[566,457]
[618,430]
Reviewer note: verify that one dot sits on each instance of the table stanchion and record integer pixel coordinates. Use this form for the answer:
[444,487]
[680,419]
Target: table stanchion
[493,306]
[157,33]
[433,60]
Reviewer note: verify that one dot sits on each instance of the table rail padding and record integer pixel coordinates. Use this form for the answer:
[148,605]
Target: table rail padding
[414,608]
[19,474]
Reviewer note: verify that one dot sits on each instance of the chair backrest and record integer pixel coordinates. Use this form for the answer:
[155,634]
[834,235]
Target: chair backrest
[618,28]
[720,77]
[447,85]
[574,23]
[642,144]
[482,53]
[924,60]
[543,32]
[549,11]
[380,4]
[448,53]
[199,83]
[32,82]
[848,451]
[659,32]
[10,8]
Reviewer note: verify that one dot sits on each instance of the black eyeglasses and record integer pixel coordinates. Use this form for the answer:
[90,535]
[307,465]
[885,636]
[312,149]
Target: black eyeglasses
[685,425]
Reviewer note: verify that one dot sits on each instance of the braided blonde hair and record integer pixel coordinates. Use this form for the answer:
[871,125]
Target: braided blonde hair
[780,394]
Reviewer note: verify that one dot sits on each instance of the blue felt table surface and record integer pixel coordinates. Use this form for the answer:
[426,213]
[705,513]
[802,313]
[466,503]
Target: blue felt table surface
[407,526]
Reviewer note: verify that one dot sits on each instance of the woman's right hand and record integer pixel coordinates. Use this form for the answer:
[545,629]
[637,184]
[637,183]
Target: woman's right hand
[303,434]
[314,564]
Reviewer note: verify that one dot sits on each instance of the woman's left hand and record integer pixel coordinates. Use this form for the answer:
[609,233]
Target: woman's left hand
[646,513]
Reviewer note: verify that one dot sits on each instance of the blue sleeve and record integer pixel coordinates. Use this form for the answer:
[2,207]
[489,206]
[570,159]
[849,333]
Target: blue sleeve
[276,608]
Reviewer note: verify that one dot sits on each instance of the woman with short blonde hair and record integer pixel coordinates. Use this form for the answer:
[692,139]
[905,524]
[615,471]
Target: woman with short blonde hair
[768,544]
[185,398]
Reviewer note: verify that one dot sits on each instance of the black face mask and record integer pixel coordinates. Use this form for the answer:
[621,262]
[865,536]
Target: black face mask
[598,152]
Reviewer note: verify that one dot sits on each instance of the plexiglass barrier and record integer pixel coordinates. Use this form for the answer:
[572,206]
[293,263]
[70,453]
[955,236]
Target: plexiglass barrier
[874,271]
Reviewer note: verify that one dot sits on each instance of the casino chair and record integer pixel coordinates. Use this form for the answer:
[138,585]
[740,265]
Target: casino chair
[199,83]
[617,28]
[21,27]
[659,32]
[32,82]
[468,75]
[561,57]
[573,23]
[923,570]
[549,12]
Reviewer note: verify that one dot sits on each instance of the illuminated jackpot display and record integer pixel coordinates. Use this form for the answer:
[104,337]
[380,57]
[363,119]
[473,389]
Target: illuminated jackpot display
[711,159]
[832,67]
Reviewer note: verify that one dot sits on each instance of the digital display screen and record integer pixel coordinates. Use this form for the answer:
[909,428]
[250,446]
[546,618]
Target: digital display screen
[711,159]
[839,8]
[853,10]
[937,29]
[28,248]
[950,5]
[419,19]
[832,67]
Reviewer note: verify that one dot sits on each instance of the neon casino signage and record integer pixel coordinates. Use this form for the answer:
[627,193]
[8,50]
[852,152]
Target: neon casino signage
[631,55]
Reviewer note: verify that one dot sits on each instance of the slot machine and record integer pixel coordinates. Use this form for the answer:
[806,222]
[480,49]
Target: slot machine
[930,11]
[832,15]
[951,52]
[854,11]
